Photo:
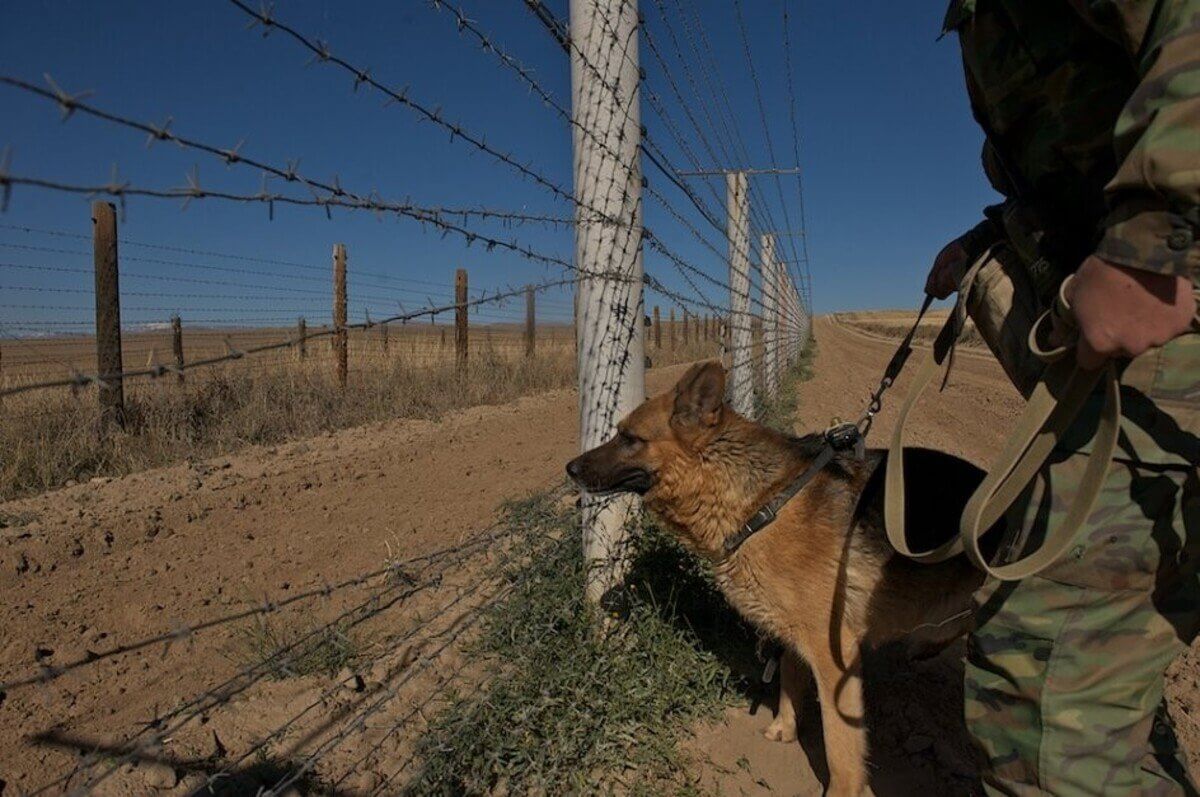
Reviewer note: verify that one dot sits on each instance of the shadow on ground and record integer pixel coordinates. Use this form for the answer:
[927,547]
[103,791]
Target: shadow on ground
[157,769]
[919,742]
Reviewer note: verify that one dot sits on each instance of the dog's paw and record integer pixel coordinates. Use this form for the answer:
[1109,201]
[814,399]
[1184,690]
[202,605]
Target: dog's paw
[781,731]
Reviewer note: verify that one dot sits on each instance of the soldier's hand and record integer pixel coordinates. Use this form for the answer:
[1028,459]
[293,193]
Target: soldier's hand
[948,268]
[1123,312]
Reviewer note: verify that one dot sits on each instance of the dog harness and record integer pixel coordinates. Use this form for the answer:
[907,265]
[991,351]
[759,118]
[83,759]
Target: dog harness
[839,437]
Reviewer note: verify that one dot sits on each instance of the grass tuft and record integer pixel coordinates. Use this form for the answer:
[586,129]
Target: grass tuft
[325,652]
[781,413]
[572,709]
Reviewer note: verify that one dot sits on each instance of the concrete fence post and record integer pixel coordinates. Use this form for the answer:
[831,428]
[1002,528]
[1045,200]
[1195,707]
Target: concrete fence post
[609,311]
[772,332]
[741,340]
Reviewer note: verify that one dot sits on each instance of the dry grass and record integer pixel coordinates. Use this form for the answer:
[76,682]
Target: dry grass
[895,324]
[50,437]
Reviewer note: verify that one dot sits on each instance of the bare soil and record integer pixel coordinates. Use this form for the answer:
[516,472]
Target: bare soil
[90,570]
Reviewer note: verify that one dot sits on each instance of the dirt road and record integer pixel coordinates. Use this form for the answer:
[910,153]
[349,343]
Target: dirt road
[91,568]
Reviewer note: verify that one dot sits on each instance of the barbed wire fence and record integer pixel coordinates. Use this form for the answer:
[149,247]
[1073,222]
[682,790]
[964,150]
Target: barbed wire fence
[749,304]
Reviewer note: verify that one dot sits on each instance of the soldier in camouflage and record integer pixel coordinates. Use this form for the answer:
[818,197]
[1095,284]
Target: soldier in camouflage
[1092,116]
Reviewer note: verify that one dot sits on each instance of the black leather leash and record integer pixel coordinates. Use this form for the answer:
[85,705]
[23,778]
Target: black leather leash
[838,437]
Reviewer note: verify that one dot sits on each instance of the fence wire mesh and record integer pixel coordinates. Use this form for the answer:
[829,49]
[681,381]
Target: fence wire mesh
[198,330]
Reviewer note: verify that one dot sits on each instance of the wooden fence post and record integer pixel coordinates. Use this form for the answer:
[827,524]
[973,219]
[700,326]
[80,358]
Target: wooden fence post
[443,343]
[657,329]
[530,320]
[108,314]
[671,328]
[460,318]
[177,345]
[685,327]
[383,333]
[302,337]
[340,341]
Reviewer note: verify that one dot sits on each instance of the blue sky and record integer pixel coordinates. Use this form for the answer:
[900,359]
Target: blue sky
[888,148]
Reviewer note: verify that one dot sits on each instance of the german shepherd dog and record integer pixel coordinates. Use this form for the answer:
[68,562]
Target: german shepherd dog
[821,578]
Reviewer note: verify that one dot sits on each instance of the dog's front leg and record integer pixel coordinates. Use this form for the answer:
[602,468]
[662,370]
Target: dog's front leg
[793,679]
[843,720]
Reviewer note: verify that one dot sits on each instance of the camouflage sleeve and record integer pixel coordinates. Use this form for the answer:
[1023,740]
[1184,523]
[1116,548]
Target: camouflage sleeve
[1154,198]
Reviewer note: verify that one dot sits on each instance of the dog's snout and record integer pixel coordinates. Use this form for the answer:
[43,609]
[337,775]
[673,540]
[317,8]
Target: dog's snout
[574,469]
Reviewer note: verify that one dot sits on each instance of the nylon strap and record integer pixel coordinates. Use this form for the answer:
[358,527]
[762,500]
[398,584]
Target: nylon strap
[1056,401]
[893,492]
[766,514]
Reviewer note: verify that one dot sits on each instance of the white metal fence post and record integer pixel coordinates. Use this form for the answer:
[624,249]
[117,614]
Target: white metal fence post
[608,239]
[772,330]
[741,372]
[792,318]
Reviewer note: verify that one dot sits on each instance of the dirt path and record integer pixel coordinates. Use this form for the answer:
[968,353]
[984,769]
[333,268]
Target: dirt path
[914,711]
[90,568]
[94,567]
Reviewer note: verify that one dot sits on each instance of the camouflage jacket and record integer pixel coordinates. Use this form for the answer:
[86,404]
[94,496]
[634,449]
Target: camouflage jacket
[1092,115]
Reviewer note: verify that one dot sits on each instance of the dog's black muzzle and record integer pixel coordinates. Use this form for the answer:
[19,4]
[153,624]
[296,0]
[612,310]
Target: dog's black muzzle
[624,480]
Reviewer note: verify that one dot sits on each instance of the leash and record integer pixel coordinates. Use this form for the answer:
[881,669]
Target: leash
[1058,396]
[839,437]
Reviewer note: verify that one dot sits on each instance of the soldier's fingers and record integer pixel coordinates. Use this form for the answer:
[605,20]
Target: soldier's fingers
[1087,357]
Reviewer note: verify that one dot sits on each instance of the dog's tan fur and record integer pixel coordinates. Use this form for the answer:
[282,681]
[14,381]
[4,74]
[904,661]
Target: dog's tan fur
[821,578]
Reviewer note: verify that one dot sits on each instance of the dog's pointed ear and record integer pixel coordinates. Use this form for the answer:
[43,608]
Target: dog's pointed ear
[700,394]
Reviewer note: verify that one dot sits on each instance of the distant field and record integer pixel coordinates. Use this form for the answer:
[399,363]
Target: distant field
[35,359]
[897,323]
[49,437]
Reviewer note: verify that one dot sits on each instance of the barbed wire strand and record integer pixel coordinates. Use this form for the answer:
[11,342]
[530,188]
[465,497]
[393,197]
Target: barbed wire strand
[78,380]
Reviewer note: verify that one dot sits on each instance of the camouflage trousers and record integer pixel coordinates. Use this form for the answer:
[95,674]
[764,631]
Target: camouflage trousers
[1064,674]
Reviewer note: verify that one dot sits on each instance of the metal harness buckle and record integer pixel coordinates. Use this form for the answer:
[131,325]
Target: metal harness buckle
[763,517]
[843,436]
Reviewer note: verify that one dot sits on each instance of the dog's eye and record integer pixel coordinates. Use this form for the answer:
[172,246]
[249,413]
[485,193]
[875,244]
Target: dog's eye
[630,439]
